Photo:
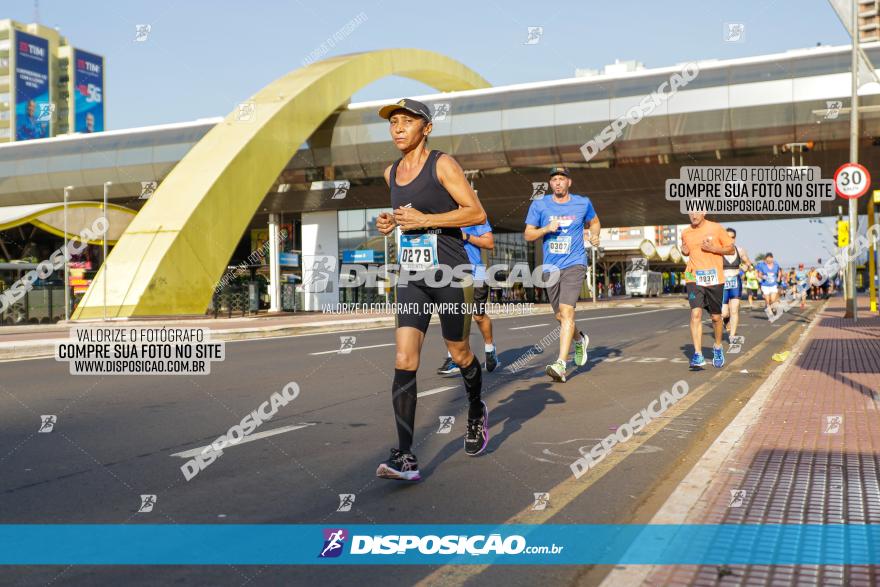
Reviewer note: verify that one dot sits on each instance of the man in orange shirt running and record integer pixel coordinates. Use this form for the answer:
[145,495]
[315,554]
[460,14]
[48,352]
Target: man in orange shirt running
[705,243]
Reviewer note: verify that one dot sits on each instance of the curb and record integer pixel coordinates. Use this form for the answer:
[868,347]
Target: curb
[45,348]
[29,349]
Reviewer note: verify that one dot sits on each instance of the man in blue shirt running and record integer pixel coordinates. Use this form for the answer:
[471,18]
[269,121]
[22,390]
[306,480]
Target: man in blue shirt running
[770,276]
[560,220]
[803,284]
[477,238]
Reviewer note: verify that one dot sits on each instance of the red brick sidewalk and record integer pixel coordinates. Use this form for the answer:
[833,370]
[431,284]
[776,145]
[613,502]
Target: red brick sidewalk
[809,453]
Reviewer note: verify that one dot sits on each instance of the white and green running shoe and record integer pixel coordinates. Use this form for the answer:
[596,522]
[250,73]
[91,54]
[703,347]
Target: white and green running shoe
[580,350]
[556,371]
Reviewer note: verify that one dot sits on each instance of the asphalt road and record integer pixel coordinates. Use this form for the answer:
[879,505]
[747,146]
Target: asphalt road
[116,438]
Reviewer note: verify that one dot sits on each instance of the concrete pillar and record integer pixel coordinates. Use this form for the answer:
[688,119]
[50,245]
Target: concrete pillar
[274,266]
[320,259]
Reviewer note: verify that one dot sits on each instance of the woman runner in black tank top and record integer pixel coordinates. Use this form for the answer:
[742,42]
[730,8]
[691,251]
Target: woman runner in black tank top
[431,200]
[426,194]
[732,261]
[733,287]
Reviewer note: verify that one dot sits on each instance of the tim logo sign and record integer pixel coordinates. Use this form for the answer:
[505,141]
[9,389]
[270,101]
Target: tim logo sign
[31,49]
[334,541]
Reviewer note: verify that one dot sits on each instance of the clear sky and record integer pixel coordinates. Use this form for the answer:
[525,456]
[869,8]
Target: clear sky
[203,57]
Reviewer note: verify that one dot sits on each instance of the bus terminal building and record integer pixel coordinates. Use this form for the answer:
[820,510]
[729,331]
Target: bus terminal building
[295,172]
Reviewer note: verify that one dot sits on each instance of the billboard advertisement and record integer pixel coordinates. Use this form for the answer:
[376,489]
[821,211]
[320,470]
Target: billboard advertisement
[33,107]
[362,256]
[88,91]
[260,242]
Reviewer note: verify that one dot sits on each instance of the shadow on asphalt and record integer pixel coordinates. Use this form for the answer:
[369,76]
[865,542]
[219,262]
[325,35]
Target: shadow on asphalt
[549,354]
[512,411]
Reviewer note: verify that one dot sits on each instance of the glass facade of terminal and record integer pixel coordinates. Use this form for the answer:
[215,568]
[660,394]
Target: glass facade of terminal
[361,243]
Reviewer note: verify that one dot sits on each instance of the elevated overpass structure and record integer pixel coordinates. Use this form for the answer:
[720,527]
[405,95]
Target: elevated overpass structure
[735,112]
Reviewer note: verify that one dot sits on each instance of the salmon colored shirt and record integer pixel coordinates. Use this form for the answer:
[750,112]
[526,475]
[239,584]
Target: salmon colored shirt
[700,260]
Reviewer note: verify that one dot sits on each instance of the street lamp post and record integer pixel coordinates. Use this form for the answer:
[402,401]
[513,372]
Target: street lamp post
[850,294]
[67,191]
[593,272]
[872,261]
[107,185]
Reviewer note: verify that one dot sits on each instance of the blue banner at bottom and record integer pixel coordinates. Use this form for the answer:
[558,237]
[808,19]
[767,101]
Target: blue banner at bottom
[422,544]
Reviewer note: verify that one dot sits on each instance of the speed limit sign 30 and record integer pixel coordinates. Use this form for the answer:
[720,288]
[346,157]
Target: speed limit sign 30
[851,180]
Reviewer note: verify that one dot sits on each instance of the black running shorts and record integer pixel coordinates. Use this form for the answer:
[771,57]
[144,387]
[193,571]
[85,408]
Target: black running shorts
[416,303]
[481,297]
[707,297]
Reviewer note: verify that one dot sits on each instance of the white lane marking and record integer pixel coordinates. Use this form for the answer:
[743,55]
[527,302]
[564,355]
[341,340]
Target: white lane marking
[437,390]
[48,357]
[625,315]
[357,348]
[529,326]
[391,326]
[249,438]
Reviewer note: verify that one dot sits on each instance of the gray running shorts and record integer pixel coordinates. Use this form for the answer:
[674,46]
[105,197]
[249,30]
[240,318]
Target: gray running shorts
[568,289]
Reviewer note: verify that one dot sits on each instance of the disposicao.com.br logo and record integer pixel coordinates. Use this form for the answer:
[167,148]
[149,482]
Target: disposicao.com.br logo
[451,544]
[334,542]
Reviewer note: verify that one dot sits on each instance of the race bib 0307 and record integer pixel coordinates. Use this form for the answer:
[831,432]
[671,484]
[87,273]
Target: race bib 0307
[561,245]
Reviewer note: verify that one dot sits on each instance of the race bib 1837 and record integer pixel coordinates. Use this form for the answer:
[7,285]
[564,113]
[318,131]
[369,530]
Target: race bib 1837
[707,277]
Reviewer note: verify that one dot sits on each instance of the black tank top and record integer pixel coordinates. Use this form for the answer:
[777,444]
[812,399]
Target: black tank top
[426,194]
[733,261]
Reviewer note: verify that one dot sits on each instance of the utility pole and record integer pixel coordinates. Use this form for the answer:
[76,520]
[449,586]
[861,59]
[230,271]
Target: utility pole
[850,293]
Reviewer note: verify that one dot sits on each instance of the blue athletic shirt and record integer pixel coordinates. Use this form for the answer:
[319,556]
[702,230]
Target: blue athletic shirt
[565,247]
[475,253]
[770,275]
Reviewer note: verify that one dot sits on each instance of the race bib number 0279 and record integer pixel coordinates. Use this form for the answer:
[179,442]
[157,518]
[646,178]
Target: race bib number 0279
[418,252]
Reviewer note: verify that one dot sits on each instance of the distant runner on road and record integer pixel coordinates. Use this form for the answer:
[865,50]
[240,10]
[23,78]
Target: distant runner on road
[477,238]
[733,286]
[771,278]
[705,243]
[751,277]
[561,221]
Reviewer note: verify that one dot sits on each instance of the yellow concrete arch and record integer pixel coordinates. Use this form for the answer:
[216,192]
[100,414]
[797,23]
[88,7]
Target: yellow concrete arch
[176,249]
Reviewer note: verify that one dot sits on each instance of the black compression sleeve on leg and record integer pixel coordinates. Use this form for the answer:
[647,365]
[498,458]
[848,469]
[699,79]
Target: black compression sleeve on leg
[473,384]
[403,399]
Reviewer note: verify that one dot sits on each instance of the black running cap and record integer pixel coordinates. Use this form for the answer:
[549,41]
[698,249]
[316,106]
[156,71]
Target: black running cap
[560,170]
[413,106]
